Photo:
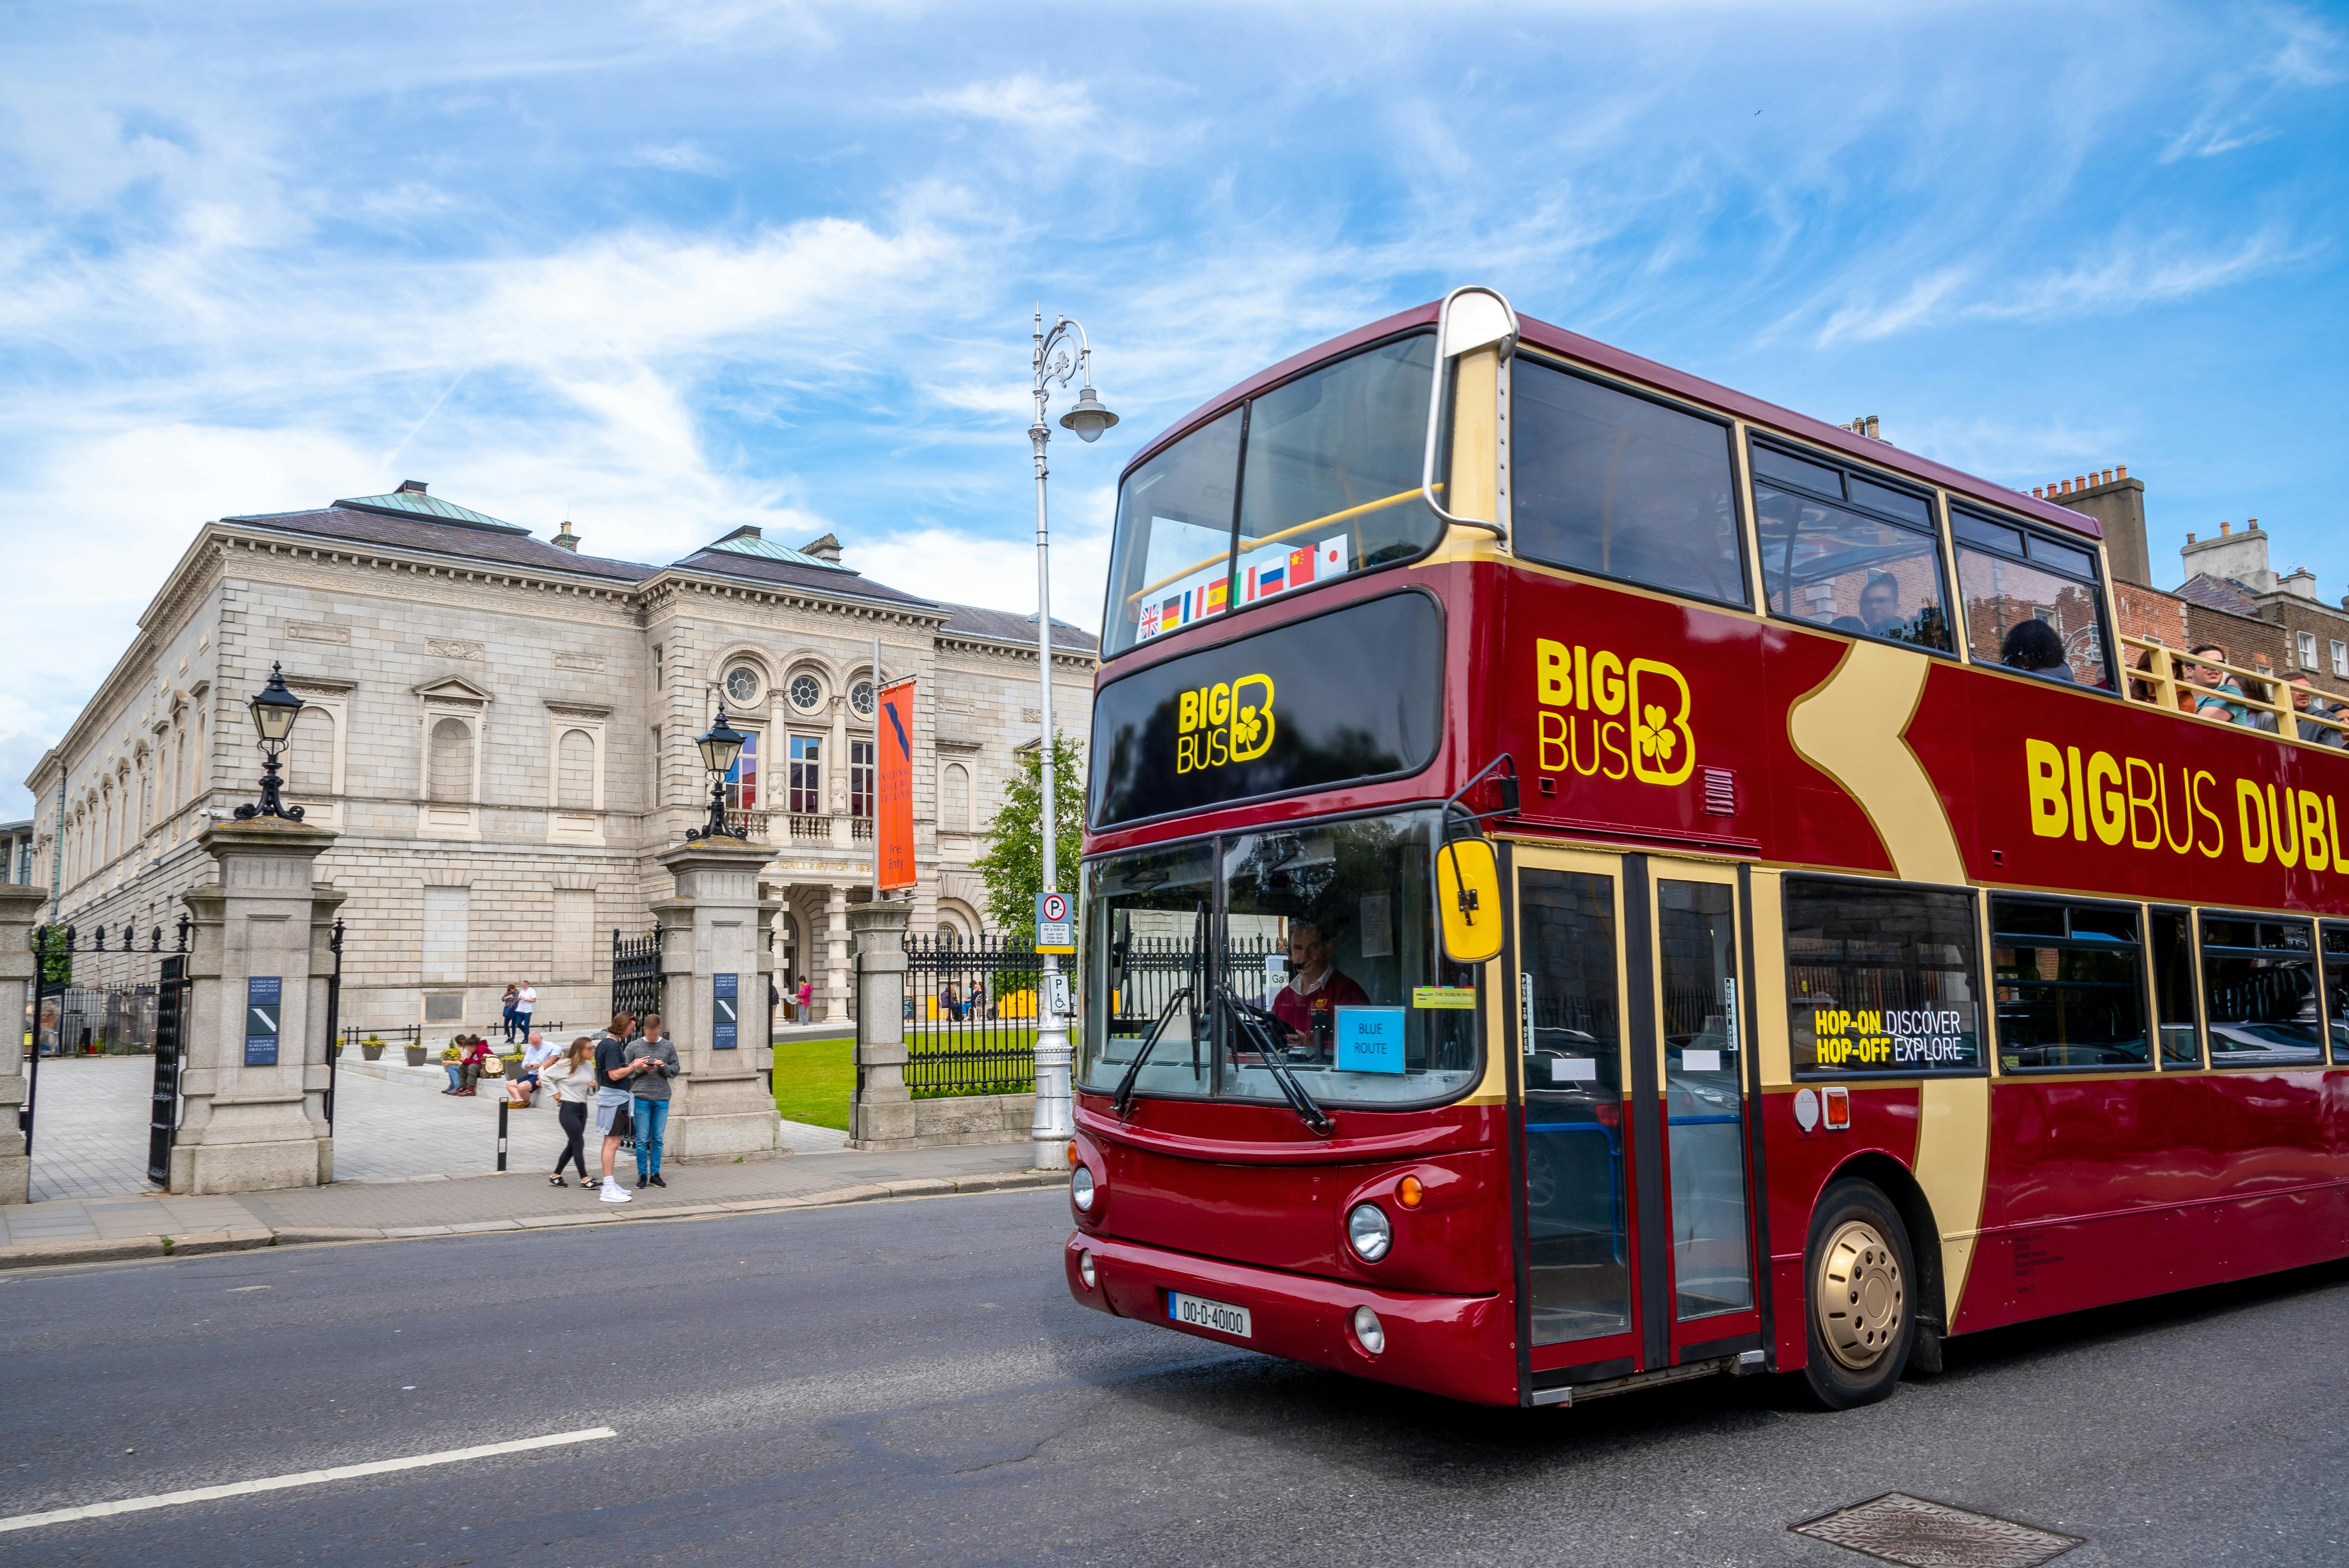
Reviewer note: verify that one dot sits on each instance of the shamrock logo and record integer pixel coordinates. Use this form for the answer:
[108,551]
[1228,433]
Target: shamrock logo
[1652,736]
[1246,726]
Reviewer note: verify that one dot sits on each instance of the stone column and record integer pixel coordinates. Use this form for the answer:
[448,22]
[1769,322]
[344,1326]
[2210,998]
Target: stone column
[20,908]
[838,972]
[248,1123]
[721,1108]
[880,1116]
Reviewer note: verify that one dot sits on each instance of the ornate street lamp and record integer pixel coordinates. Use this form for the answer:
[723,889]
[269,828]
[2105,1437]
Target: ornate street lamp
[721,746]
[1055,364]
[273,710]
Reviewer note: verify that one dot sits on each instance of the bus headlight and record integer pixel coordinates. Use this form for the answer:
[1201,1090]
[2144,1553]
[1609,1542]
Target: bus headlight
[1081,1189]
[1368,1231]
[1369,1330]
[1086,1268]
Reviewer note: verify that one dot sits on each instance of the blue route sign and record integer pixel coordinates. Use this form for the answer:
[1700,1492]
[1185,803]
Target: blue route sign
[264,1007]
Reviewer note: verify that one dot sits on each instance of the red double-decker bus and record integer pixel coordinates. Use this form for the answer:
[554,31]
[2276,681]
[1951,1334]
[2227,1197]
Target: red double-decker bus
[1594,879]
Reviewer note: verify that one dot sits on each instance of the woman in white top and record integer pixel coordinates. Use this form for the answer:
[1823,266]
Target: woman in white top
[572,1076]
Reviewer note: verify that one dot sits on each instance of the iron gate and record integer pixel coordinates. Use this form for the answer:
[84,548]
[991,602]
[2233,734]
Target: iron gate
[125,1015]
[637,972]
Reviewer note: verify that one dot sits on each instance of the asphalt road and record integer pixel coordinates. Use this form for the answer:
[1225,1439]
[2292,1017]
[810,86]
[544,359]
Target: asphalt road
[908,1383]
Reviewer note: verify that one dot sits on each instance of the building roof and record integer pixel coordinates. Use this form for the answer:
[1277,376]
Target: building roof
[1010,626]
[2225,594]
[816,576]
[498,541]
[410,499]
[748,541]
[410,519]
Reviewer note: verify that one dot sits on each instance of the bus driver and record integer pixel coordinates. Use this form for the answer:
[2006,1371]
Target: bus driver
[1315,987]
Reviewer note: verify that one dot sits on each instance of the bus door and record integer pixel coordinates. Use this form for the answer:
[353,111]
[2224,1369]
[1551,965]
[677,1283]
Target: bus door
[1630,1116]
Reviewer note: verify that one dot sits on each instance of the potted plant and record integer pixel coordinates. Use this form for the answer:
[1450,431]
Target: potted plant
[371,1048]
[416,1054]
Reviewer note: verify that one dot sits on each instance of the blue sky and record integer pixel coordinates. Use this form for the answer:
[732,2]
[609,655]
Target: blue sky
[666,268]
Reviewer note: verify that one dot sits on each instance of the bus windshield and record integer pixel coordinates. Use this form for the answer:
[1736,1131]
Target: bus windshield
[1309,481]
[1329,928]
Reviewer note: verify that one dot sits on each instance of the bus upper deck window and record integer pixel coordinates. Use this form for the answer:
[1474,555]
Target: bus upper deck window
[1173,539]
[1846,551]
[2031,601]
[1618,486]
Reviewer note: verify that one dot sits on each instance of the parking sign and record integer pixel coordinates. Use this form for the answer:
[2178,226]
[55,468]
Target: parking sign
[1056,923]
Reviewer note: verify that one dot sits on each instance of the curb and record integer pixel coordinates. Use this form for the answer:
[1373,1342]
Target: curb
[152,1249]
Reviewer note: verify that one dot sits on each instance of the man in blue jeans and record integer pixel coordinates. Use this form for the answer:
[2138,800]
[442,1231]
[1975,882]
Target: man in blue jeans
[652,1097]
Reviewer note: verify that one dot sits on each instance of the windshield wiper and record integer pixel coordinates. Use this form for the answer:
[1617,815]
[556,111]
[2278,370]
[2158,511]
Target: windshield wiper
[1124,1099]
[1264,1030]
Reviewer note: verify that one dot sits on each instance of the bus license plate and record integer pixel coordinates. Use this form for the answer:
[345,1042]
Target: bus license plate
[1198,1312]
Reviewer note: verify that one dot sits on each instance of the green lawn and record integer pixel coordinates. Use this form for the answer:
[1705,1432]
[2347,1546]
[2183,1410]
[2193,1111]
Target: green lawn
[814,1079]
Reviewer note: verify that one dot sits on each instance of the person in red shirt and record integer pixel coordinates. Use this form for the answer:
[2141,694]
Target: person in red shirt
[1315,985]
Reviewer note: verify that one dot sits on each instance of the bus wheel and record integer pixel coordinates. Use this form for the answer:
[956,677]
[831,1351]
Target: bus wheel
[1863,1315]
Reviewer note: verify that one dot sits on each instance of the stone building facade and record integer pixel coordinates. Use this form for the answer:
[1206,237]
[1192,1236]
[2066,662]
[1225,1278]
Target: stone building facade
[501,730]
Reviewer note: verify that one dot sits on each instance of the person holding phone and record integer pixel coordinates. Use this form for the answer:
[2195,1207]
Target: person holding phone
[655,1059]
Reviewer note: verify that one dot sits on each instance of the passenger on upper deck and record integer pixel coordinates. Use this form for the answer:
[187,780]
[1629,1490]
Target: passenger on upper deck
[1315,986]
[2219,686]
[2032,647]
[2318,719]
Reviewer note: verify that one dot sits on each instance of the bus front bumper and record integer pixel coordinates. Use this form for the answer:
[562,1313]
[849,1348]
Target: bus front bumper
[1457,1345]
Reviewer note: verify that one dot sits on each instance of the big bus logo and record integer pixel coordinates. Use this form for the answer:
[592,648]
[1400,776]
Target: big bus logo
[1634,716]
[1230,721]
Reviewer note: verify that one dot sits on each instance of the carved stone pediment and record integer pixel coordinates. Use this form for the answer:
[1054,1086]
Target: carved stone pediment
[454,691]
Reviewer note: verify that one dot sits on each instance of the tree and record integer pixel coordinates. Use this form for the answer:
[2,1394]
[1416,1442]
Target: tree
[1013,866]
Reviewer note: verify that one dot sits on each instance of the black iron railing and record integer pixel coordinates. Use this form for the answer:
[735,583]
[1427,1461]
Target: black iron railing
[637,972]
[970,1017]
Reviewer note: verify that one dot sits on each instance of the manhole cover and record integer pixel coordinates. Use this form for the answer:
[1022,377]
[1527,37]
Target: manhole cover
[1921,1534]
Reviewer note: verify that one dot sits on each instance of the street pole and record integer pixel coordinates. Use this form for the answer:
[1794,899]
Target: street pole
[873,784]
[1054,1122]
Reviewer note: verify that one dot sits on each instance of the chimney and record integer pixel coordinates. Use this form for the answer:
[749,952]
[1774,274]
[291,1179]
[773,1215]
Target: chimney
[2301,582]
[826,550]
[2189,538]
[1872,434]
[2119,509]
[2242,556]
[566,540]
[411,486]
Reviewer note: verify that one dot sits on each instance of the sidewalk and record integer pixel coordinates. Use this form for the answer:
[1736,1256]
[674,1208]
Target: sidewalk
[88,1229]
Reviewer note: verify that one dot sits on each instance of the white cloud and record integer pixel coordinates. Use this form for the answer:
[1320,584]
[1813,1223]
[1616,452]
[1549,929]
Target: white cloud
[679,156]
[1029,102]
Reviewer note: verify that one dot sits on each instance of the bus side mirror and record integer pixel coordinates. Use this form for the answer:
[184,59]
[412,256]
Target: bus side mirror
[1468,895]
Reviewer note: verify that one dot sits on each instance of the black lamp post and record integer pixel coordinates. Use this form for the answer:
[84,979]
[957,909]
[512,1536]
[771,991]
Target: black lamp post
[721,745]
[273,710]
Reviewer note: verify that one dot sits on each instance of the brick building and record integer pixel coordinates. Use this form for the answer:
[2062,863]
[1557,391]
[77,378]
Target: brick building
[2229,595]
[501,729]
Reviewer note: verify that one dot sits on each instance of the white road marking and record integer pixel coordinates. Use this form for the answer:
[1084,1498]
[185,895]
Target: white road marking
[240,1289]
[305,1478]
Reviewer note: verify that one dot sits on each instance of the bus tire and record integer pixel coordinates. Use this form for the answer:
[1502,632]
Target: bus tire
[1859,1284]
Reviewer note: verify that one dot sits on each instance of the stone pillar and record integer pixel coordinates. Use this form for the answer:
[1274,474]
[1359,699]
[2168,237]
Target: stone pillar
[839,973]
[247,1123]
[880,1116]
[20,908]
[721,1108]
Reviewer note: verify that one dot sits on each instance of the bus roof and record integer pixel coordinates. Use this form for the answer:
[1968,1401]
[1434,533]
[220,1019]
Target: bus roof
[1695,388]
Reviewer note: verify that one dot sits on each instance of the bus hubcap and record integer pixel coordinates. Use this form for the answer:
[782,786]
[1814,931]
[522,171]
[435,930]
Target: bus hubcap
[1860,1294]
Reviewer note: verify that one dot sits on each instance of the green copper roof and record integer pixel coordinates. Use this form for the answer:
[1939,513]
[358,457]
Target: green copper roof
[751,544]
[408,501]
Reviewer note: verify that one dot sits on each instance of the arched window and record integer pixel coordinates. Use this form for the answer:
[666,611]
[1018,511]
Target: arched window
[574,760]
[954,800]
[451,776]
[310,753]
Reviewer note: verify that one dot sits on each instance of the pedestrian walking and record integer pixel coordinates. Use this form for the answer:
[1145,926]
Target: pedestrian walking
[536,1057]
[525,1004]
[807,1000]
[616,1076]
[572,1076]
[658,1057]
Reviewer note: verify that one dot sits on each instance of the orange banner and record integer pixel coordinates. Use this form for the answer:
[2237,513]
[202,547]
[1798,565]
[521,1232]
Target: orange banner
[892,835]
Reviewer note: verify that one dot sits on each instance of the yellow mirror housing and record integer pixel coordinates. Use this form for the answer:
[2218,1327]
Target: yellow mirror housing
[1468,895]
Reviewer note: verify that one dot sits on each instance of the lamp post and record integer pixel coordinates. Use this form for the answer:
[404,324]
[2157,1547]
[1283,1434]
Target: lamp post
[1062,355]
[721,745]
[273,710]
